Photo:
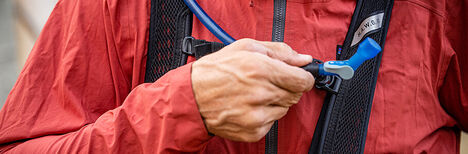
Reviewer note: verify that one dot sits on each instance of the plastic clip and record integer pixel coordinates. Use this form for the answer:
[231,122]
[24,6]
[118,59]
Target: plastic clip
[187,47]
[326,82]
[329,83]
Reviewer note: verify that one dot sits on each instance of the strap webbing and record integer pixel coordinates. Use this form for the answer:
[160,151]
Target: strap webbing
[170,28]
[199,48]
[170,22]
[343,121]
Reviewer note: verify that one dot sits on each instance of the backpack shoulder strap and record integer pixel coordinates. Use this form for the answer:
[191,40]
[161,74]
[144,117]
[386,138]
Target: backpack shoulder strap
[343,121]
[170,23]
[170,41]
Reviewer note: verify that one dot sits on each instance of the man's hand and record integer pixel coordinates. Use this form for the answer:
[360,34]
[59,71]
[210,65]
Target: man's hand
[243,88]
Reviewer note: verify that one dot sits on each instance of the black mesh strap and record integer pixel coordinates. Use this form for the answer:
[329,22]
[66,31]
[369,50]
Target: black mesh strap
[170,23]
[199,48]
[343,121]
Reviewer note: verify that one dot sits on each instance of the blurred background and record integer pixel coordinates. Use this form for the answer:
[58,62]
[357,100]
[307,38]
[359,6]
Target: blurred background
[21,22]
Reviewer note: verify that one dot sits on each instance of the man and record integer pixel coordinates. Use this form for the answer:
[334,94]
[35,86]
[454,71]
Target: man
[81,89]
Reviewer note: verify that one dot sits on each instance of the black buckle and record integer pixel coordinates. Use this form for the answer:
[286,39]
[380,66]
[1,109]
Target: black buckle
[187,45]
[327,83]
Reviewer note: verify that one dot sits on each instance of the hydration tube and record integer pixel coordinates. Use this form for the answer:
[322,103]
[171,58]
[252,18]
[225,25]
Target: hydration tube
[208,22]
[367,49]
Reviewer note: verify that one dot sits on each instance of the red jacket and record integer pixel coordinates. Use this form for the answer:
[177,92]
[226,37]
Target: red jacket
[81,89]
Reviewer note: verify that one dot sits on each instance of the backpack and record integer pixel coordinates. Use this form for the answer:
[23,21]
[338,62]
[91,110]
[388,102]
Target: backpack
[344,117]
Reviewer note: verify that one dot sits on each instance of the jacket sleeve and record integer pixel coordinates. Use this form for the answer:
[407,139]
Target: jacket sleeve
[79,90]
[454,89]
[155,118]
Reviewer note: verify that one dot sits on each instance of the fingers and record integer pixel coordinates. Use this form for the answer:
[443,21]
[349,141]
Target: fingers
[242,89]
[285,53]
[274,96]
[284,75]
[275,50]
[275,112]
[293,79]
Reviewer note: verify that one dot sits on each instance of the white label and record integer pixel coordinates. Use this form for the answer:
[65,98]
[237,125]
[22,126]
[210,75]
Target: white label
[369,24]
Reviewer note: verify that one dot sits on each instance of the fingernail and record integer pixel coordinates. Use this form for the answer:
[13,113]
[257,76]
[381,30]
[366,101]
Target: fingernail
[306,57]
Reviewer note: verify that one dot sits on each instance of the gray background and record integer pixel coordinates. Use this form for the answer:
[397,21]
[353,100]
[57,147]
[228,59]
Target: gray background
[8,60]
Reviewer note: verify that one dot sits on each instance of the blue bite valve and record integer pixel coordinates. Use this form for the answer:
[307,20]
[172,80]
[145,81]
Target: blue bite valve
[367,49]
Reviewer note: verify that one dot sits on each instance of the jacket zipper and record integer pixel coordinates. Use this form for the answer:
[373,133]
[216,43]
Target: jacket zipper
[279,16]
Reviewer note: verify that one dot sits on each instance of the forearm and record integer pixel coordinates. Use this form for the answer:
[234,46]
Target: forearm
[155,118]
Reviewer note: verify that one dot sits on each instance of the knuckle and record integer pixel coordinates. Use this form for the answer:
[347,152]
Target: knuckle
[297,85]
[256,135]
[245,40]
[289,59]
[283,46]
[257,121]
[302,86]
[245,43]
[254,120]
[292,99]
[295,98]
[284,112]
[303,80]
[311,82]
[254,79]
[252,138]
[253,73]
[262,94]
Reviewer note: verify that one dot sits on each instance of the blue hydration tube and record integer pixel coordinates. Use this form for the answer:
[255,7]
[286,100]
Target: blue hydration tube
[208,22]
[367,49]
